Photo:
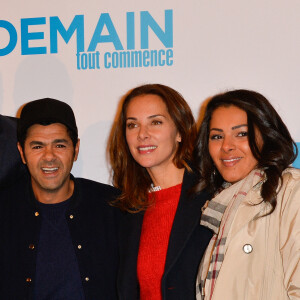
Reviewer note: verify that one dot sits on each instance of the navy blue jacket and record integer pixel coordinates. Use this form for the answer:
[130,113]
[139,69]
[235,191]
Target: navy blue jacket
[93,225]
[11,166]
[188,241]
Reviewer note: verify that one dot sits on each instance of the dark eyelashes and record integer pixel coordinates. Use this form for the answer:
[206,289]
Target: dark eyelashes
[219,136]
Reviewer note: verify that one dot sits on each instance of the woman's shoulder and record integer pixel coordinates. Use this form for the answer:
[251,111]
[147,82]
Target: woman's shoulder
[290,188]
[291,174]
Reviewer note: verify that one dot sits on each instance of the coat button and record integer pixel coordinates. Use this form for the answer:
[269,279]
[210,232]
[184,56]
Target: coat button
[247,248]
[79,247]
[31,246]
[36,214]
[86,278]
[71,216]
[28,279]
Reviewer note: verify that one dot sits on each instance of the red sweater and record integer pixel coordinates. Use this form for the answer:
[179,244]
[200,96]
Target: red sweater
[156,229]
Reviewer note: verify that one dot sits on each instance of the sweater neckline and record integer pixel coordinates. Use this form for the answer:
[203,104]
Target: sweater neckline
[173,188]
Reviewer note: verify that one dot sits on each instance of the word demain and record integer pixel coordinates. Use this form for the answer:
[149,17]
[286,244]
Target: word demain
[33,30]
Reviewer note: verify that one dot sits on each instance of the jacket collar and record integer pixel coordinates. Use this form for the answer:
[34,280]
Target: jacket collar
[254,207]
[251,208]
[74,201]
[187,217]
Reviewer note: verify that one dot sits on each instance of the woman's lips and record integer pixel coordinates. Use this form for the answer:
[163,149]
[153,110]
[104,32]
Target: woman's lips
[146,149]
[229,162]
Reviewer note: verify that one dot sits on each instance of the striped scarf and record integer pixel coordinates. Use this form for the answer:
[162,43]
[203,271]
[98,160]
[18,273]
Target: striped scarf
[218,216]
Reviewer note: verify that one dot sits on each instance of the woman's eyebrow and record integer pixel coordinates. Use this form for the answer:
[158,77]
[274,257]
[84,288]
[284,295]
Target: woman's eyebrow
[238,126]
[216,129]
[157,115]
[234,127]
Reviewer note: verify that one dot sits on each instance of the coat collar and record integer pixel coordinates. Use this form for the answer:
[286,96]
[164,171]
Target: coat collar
[74,201]
[187,217]
[251,208]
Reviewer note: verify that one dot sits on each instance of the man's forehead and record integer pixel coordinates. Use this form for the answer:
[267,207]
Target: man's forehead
[51,131]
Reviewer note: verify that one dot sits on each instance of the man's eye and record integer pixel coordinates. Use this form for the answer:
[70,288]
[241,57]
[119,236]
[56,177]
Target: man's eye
[131,125]
[36,147]
[60,146]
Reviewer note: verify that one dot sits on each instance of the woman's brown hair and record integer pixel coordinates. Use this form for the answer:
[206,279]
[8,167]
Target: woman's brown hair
[132,179]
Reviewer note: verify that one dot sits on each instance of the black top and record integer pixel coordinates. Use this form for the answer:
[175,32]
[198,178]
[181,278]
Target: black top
[93,227]
[11,166]
[57,271]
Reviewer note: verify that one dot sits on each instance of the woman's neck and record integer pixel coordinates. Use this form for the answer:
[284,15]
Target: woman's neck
[166,177]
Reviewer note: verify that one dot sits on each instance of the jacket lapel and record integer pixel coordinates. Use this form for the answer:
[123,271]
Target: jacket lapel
[129,240]
[187,217]
[250,208]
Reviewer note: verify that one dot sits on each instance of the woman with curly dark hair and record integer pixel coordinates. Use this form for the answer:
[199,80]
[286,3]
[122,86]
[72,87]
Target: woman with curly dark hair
[244,153]
[161,240]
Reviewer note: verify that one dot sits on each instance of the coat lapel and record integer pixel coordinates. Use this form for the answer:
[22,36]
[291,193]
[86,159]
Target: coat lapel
[250,208]
[130,232]
[187,217]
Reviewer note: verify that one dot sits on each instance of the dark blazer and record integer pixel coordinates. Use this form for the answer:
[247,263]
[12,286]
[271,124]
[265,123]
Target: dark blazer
[11,166]
[93,226]
[188,241]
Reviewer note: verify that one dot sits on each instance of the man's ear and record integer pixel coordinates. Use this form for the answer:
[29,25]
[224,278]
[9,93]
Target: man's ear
[21,153]
[76,151]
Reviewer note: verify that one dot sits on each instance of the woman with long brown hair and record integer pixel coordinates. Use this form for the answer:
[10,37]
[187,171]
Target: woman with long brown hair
[245,152]
[161,240]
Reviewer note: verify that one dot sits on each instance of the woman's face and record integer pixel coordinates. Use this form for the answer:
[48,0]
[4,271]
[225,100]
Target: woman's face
[228,143]
[151,134]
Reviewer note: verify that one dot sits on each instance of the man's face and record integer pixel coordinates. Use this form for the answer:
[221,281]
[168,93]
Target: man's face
[49,154]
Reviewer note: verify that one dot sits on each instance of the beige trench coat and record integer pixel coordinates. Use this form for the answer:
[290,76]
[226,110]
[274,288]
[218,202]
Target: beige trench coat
[262,259]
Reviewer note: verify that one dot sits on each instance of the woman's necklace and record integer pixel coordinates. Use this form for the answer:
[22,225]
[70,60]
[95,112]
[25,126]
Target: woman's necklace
[155,188]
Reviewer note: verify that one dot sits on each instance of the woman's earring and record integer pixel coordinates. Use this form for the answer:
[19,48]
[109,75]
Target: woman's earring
[213,175]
